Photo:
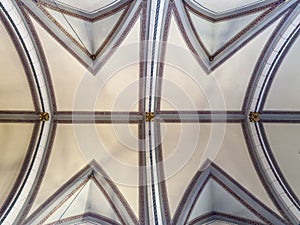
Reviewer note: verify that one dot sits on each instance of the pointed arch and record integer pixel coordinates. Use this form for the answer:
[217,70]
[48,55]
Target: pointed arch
[91,172]
[213,172]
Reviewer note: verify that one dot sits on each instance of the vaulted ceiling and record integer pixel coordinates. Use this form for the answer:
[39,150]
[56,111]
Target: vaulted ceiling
[149,112]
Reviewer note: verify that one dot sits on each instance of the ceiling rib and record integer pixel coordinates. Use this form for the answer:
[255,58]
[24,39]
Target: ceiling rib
[88,218]
[200,116]
[269,61]
[18,116]
[222,217]
[157,12]
[93,172]
[136,117]
[212,171]
[14,212]
[218,15]
[92,62]
[280,116]
[263,75]
[88,16]
[97,117]
[122,117]
[267,172]
[143,195]
[211,63]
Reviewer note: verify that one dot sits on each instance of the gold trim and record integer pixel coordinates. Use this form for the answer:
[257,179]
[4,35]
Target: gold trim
[149,116]
[254,117]
[44,116]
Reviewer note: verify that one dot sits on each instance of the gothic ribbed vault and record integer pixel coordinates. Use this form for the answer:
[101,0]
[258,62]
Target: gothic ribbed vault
[149,112]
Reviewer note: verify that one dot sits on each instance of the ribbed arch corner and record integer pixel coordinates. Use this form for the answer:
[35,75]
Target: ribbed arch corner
[209,62]
[58,203]
[217,217]
[24,193]
[95,60]
[31,51]
[189,36]
[153,194]
[216,174]
[270,60]
[86,218]
[151,66]
[119,35]
[263,75]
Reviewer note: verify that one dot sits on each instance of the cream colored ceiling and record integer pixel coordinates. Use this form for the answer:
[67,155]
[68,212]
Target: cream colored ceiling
[14,139]
[234,154]
[183,158]
[90,35]
[213,198]
[283,139]
[111,146]
[286,83]
[185,87]
[14,88]
[67,72]
[64,68]
[65,157]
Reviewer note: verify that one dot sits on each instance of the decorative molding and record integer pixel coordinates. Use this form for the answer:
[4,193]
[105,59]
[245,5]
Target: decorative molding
[60,27]
[254,117]
[165,27]
[149,116]
[224,217]
[44,116]
[73,51]
[143,193]
[91,17]
[66,198]
[86,217]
